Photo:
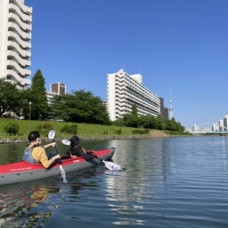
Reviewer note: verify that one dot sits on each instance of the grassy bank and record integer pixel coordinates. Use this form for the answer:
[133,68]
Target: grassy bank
[83,130]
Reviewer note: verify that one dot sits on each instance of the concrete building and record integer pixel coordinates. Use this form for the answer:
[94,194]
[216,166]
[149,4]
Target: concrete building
[225,123]
[163,110]
[215,127]
[58,88]
[221,125]
[124,90]
[15,41]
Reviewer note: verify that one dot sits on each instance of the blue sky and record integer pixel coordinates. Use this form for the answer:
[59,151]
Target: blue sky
[177,45]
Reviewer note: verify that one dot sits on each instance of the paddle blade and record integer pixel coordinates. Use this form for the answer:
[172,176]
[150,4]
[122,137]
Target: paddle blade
[112,166]
[66,142]
[51,134]
[63,174]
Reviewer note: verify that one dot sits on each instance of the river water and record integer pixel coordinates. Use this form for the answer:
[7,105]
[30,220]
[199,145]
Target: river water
[166,182]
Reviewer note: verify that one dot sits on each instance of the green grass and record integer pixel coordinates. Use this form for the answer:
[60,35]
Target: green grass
[83,130]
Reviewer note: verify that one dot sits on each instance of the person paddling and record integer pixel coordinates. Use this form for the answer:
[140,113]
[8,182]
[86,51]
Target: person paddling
[76,150]
[35,153]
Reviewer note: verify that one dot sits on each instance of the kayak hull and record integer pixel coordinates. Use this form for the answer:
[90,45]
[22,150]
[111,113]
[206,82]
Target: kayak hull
[22,171]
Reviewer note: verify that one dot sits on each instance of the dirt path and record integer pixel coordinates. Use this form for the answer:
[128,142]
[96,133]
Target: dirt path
[157,133]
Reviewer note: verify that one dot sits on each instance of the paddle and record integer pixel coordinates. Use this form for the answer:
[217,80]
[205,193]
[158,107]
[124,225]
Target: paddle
[110,165]
[51,136]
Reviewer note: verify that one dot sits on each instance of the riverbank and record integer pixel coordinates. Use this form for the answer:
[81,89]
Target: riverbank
[151,134]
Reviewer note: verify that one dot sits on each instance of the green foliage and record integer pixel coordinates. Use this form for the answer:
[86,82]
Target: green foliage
[11,128]
[78,107]
[40,109]
[45,128]
[10,98]
[130,120]
[118,131]
[81,107]
[149,122]
[83,130]
[134,110]
[70,129]
[140,131]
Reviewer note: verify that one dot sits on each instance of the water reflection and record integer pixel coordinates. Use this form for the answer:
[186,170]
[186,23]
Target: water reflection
[174,182]
[128,191]
[33,204]
[11,152]
[18,204]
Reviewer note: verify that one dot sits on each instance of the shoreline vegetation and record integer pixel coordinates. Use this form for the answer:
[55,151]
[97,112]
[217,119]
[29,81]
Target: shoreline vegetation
[66,130]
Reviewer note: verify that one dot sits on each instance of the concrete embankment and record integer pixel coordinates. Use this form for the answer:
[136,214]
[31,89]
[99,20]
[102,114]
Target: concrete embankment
[12,141]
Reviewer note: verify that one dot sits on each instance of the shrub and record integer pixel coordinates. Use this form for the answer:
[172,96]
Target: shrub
[45,128]
[118,132]
[12,128]
[70,129]
[139,131]
[105,132]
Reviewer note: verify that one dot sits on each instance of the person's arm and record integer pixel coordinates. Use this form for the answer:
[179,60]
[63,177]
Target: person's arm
[39,155]
[73,156]
[53,144]
[52,160]
[44,159]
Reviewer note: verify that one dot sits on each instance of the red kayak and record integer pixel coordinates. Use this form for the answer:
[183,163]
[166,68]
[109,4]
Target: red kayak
[22,171]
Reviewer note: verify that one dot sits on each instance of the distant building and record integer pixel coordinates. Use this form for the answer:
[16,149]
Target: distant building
[58,88]
[221,125]
[215,127]
[55,89]
[15,41]
[164,111]
[124,90]
[225,123]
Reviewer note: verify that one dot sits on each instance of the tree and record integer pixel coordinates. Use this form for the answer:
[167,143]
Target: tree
[9,97]
[132,120]
[134,110]
[26,103]
[40,109]
[80,106]
[160,123]
[172,125]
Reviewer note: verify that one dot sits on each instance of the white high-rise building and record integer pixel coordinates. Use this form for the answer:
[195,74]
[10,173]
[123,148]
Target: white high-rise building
[15,41]
[123,91]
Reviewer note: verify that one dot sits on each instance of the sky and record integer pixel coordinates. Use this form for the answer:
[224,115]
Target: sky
[179,46]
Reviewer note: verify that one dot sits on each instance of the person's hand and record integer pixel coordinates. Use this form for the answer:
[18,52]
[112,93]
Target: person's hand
[57,156]
[53,144]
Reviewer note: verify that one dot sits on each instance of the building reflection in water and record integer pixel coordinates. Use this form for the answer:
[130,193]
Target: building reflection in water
[128,191]
[18,204]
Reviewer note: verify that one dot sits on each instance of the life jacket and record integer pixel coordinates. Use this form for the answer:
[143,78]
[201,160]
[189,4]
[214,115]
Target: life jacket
[27,156]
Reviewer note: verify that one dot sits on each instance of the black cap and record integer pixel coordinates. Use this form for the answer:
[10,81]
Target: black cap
[75,141]
[33,135]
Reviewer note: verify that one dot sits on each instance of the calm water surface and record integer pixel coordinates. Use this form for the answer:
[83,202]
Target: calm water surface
[167,182]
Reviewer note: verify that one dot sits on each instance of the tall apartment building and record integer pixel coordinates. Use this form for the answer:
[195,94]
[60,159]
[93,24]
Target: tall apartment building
[124,90]
[15,41]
